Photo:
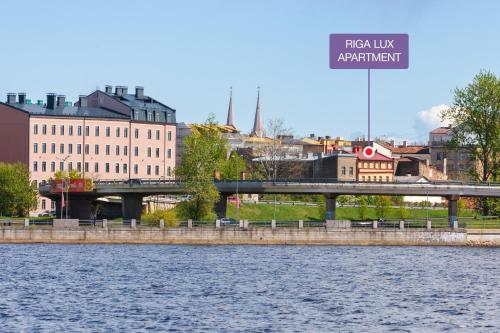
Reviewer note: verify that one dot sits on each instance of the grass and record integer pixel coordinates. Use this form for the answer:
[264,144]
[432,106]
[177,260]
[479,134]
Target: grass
[308,213]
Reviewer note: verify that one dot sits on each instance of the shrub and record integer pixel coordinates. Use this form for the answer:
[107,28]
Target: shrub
[153,218]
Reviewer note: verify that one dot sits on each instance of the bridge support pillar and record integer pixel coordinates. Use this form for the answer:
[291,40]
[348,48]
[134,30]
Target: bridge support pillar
[131,206]
[79,208]
[221,206]
[330,206]
[453,210]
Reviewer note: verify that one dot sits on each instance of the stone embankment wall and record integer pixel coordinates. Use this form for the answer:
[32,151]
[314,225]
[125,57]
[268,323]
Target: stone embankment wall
[213,236]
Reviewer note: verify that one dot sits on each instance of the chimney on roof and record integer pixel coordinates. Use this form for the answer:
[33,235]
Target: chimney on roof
[22,98]
[82,101]
[312,136]
[327,137]
[11,98]
[108,89]
[61,100]
[139,92]
[404,143]
[124,89]
[51,101]
[118,90]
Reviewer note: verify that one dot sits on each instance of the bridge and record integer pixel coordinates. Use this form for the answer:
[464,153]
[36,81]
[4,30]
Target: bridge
[132,192]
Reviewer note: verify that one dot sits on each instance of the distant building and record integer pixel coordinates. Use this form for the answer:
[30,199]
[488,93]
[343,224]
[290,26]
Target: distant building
[456,163]
[378,168]
[105,135]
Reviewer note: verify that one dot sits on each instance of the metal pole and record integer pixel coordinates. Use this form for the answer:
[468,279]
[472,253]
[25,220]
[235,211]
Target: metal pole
[368,105]
[237,196]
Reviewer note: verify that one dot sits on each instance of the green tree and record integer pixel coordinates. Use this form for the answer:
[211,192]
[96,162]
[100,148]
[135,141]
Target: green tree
[233,166]
[363,207]
[153,218]
[403,212]
[17,194]
[204,152]
[475,116]
[382,205]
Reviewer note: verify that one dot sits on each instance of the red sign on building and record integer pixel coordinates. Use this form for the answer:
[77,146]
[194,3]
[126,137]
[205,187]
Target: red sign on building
[72,185]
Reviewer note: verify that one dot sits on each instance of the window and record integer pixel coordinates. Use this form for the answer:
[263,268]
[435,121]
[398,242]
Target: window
[117,168]
[438,156]
[61,166]
[35,148]
[157,116]
[43,203]
[117,150]
[87,130]
[125,150]
[52,166]
[157,152]
[149,134]
[61,129]
[169,153]
[96,149]
[157,170]
[53,148]
[79,131]
[108,131]
[136,169]
[53,130]
[150,116]
[53,205]
[169,171]
[44,148]
[343,171]
[124,167]
[96,167]
[351,171]
[148,169]
[44,129]
[35,129]
[70,148]
[118,132]
[107,150]
[87,149]
[136,151]
[125,132]
[86,167]
[70,130]
[387,178]
[149,151]
[107,167]
[157,135]
[96,131]
[61,148]
[70,166]
[79,166]
[136,133]
[44,166]
[79,148]
[379,178]
[169,136]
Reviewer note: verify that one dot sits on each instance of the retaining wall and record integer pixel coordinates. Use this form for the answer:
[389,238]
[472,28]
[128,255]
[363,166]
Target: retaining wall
[309,236]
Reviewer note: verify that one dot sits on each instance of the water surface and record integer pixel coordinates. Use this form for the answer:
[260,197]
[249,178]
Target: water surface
[47,288]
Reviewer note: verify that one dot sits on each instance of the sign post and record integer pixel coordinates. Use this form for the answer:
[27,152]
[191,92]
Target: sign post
[369,51]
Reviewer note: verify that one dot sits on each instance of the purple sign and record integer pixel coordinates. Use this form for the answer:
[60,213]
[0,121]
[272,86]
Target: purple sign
[365,51]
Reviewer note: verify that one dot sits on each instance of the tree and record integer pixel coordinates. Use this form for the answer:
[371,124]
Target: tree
[204,152]
[382,205]
[363,207]
[273,152]
[403,212]
[17,194]
[475,116]
[233,166]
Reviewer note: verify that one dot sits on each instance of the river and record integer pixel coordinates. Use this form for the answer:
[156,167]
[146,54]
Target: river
[89,288]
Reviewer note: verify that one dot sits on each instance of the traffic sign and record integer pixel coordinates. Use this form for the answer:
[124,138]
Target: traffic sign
[368,152]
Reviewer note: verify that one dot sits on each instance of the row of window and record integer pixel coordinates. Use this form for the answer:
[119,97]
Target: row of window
[375,165]
[123,168]
[97,131]
[69,150]
[369,178]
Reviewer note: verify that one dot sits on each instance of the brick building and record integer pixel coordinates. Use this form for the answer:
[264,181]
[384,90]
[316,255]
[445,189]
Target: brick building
[378,168]
[105,135]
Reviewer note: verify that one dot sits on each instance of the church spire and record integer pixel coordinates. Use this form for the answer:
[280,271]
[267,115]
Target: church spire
[258,128]
[230,121]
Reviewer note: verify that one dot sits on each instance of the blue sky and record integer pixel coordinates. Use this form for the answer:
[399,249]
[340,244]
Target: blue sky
[188,54]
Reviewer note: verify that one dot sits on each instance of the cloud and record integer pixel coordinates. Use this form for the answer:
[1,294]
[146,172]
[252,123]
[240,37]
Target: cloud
[427,120]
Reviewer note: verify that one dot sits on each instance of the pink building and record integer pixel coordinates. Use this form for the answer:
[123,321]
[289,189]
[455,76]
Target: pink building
[105,135]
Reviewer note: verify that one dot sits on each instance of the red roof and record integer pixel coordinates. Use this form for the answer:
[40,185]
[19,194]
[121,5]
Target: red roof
[376,157]
[441,130]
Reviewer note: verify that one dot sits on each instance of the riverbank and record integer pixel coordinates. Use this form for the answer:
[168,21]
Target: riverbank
[254,236]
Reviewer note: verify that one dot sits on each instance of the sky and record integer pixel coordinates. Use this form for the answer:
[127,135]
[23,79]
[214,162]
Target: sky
[188,54]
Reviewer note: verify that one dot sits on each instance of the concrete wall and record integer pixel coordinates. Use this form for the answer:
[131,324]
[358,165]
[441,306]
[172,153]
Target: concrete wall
[269,236]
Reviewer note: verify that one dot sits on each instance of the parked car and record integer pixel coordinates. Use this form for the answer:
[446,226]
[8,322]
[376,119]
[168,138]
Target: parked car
[228,220]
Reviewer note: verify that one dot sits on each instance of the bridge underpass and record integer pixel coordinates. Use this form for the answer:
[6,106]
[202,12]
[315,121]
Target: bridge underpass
[132,193]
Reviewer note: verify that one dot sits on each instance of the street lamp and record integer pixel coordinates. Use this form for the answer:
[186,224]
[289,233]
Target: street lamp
[237,179]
